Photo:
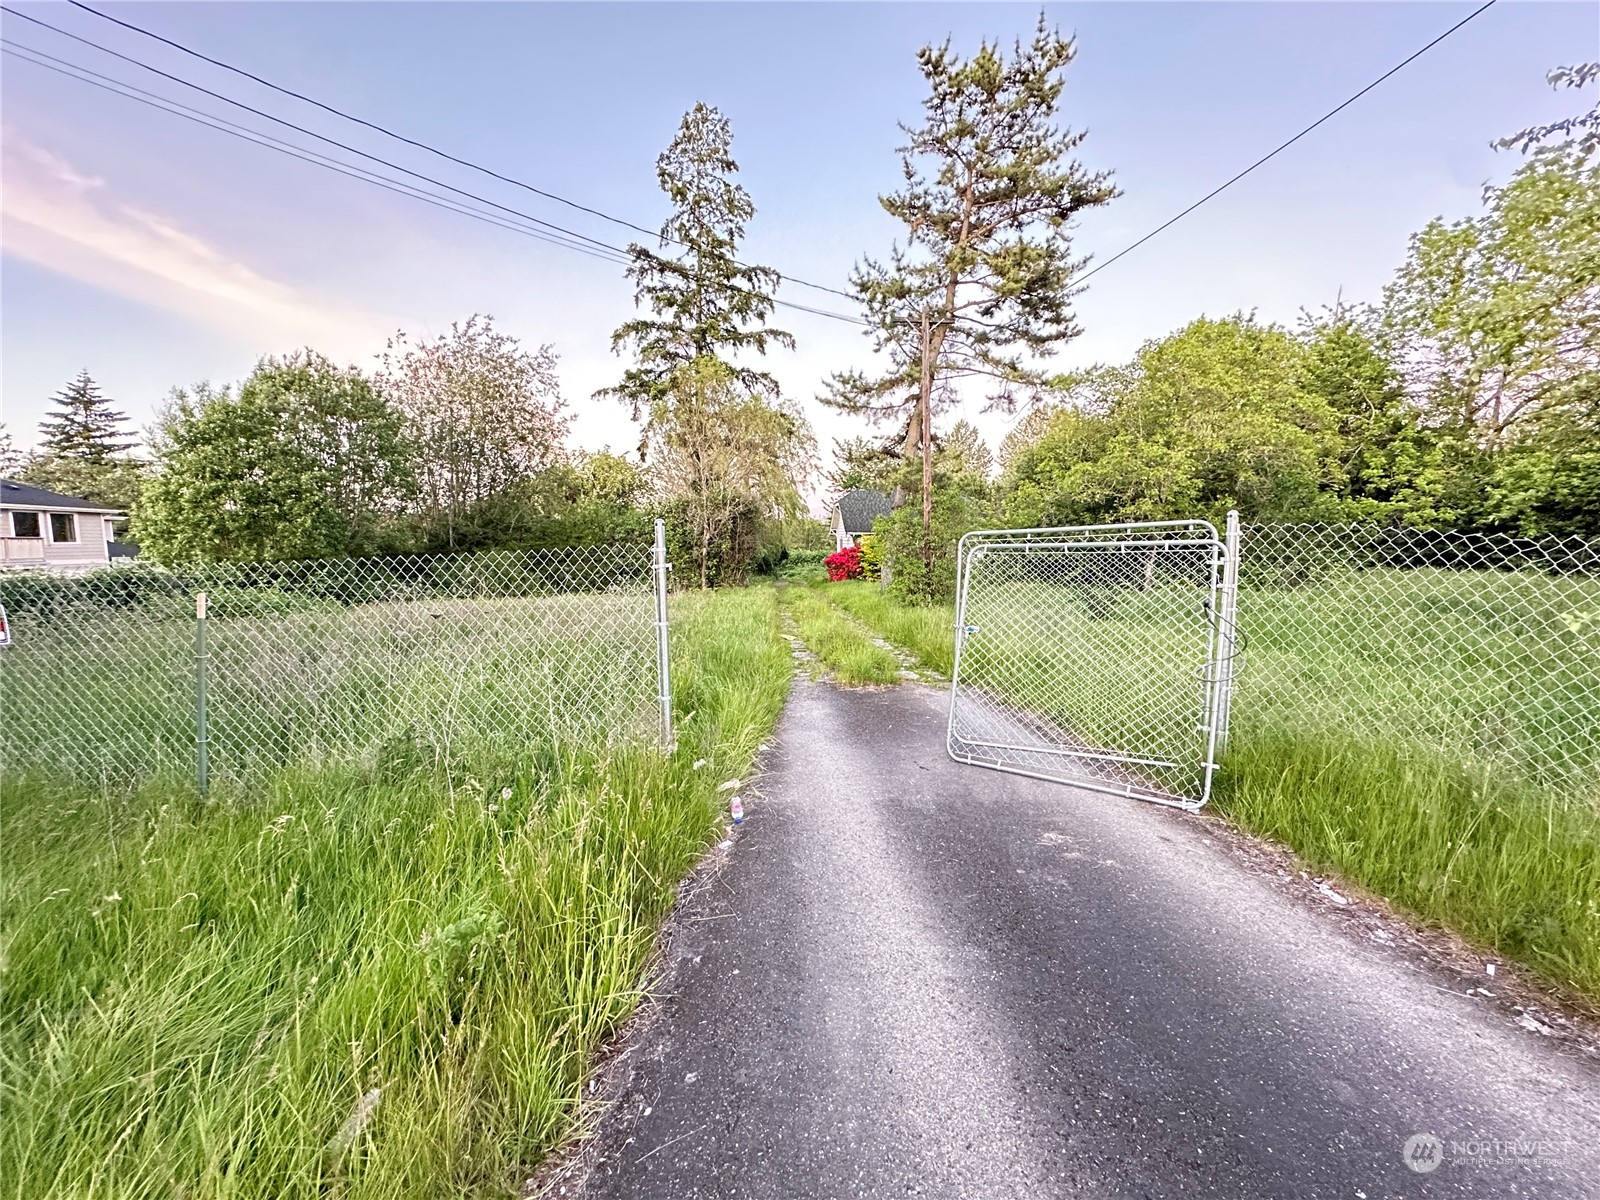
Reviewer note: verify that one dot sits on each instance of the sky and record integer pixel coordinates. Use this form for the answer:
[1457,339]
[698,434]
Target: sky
[153,252]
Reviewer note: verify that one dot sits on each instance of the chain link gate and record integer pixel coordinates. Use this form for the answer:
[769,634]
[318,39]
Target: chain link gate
[1097,655]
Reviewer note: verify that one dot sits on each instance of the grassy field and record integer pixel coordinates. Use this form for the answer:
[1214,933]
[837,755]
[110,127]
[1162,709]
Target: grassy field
[1431,735]
[852,658]
[379,978]
[108,691]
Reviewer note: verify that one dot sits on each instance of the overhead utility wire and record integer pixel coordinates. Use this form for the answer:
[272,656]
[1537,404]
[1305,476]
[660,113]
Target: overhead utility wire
[1263,159]
[178,79]
[1284,146]
[211,121]
[548,225]
[420,145]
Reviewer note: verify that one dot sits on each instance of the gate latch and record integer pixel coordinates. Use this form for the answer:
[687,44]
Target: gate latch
[969,630]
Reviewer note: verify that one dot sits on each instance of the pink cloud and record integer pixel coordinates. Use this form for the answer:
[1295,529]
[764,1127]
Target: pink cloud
[60,218]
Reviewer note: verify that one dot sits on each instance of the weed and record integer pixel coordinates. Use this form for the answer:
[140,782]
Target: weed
[851,657]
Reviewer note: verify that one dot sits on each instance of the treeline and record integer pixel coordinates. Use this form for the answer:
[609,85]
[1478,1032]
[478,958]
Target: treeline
[1468,399]
[459,443]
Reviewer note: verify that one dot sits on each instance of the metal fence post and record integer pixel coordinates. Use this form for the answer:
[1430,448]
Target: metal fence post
[663,662]
[1229,628]
[202,737]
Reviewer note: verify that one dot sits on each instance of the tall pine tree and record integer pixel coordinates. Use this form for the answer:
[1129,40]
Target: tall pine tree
[84,425]
[726,452]
[11,459]
[703,302]
[981,289]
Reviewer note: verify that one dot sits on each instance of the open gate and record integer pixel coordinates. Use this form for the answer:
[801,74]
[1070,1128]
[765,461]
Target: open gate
[1097,655]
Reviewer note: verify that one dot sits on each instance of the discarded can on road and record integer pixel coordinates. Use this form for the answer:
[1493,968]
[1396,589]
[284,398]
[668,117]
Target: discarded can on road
[737,809]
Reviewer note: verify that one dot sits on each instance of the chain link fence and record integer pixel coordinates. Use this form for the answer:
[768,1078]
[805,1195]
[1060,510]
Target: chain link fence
[118,675]
[1093,656]
[1485,648]
[1104,656]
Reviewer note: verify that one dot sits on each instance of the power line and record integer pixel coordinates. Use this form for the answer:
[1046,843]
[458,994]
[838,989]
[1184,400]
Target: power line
[566,234]
[239,104]
[211,121]
[1263,159]
[338,112]
[1284,146]
[420,145]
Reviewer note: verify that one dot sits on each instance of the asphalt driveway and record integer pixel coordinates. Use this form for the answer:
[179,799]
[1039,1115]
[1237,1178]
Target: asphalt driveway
[916,978]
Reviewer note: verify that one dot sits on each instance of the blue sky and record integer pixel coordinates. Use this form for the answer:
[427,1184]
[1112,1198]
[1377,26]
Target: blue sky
[154,252]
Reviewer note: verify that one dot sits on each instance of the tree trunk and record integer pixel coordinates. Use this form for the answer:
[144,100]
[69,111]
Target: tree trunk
[925,408]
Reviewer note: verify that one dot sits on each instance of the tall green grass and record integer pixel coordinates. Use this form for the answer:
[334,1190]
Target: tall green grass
[108,689]
[853,659]
[926,631]
[1496,859]
[380,981]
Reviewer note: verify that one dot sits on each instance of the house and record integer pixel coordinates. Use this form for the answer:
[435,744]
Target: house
[48,531]
[853,514]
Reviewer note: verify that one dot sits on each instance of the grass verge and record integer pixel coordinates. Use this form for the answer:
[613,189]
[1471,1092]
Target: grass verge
[839,644]
[383,982]
[1492,859]
[925,631]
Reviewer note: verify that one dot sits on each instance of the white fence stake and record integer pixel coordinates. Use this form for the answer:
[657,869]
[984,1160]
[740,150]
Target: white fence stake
[663,658]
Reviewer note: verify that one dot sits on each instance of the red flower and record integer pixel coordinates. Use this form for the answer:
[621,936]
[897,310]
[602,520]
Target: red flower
[844,564]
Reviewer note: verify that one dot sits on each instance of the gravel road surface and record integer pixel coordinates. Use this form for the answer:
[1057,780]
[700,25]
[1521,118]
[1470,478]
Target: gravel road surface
[916,978]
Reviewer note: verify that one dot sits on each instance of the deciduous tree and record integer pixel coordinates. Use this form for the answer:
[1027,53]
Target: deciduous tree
[1492,317]
[1582,131]
[725,456]
[966,451]
[1382,452]
[1213,417]
[481,411]
[306,461]
[864,463]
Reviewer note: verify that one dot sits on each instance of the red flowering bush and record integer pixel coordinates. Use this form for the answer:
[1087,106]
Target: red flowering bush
[844,564]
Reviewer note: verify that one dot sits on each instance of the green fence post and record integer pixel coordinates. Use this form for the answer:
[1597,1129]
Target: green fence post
[202,739]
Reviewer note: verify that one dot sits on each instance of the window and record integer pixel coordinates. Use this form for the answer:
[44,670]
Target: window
[25,524]
[63,527]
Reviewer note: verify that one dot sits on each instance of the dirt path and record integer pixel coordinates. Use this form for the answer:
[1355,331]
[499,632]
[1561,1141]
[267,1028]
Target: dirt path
[913,977]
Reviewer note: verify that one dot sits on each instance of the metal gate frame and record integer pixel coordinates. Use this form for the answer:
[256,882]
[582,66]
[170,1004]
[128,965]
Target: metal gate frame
[1215,672]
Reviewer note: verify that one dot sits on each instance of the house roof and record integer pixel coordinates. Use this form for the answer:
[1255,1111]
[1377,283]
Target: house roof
[21,495]
[859,507]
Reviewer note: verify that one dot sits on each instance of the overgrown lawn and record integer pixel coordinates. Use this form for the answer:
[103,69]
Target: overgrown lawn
[382,981]
[927,631]
[1381,730]
[851,657]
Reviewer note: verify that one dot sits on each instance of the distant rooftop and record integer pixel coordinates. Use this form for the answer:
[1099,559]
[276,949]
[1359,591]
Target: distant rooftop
[21,495]
[860,507]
